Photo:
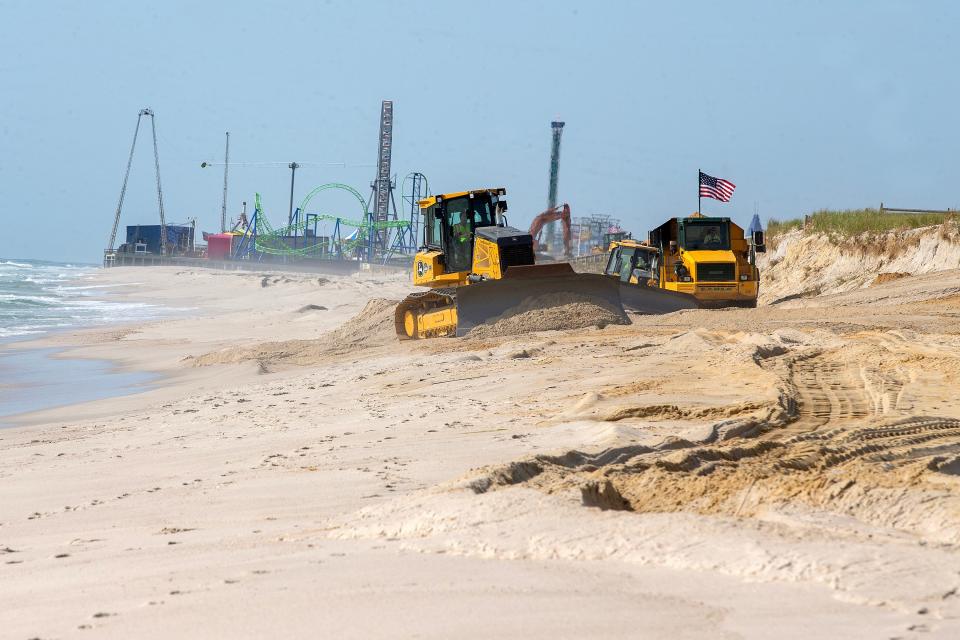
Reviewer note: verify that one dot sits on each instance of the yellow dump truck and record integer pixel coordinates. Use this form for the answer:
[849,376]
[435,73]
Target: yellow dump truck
[708,258]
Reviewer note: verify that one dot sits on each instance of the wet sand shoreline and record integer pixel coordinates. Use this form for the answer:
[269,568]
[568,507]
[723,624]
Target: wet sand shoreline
[49,378]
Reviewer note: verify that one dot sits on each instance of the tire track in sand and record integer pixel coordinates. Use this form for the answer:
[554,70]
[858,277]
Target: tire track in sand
[845,441]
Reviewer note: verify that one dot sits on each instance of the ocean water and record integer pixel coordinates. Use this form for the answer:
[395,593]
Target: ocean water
[37,297]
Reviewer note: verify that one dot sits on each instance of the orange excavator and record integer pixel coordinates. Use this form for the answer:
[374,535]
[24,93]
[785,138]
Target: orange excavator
[561,213]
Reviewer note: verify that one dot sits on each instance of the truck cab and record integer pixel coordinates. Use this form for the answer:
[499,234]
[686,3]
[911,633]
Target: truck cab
[708,257]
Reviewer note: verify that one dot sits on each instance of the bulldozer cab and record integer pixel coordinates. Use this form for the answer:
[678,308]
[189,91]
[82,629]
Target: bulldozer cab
[451,220]
[632,262]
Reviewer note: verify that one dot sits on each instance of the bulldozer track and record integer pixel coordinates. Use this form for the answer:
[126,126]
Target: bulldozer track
[422,300]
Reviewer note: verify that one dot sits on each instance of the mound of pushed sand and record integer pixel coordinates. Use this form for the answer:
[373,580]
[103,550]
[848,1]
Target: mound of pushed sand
[372,327]
[550,312]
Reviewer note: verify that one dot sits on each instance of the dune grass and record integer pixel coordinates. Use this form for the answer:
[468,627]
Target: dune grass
[779,227]
[853,222]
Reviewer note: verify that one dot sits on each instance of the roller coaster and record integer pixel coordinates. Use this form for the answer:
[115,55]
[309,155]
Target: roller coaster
[328,236]
[376,233]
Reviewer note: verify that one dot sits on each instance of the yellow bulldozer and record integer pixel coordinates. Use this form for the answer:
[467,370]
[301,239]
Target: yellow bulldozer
[707,260]
[478,268]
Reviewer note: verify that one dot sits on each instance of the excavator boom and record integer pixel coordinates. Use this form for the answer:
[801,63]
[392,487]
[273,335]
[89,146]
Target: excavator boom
[561,213]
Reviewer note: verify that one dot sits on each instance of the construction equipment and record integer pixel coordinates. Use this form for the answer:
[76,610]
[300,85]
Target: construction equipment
[637,266]
[705,257]
[478,269]
[561,213]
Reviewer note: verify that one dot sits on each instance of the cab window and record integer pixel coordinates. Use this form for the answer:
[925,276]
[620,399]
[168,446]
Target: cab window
[621,259]
[704,234]
[613,262]
[460,231]
[482,213]
[432,226]
[625,264]
[643,260]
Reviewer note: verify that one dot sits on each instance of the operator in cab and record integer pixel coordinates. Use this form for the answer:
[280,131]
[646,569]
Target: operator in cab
[461,230]
[712,237]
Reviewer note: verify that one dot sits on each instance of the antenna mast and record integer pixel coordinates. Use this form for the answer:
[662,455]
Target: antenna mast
[226,165]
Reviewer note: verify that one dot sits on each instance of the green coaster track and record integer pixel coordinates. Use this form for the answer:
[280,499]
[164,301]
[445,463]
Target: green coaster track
[262,238]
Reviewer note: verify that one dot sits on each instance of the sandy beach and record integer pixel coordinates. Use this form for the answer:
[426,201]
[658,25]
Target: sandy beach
[790,471]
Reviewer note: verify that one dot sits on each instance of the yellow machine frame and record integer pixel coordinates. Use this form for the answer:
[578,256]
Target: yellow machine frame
[437,315]
[428,265]
[684,270]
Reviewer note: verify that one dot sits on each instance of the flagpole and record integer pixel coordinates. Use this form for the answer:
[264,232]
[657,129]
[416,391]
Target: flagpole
[698,190]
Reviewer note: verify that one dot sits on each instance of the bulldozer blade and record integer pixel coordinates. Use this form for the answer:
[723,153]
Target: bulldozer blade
[485,302]
[653,301]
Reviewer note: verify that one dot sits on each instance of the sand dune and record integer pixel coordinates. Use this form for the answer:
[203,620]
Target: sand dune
[806,265]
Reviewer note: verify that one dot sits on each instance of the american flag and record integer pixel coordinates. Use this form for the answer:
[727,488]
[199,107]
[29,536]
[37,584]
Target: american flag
[717,188]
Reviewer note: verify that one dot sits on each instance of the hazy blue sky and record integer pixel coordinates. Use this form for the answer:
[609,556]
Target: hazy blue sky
[802,104]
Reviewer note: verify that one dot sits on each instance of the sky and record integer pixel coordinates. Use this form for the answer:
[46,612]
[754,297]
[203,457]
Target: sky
[803,105]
